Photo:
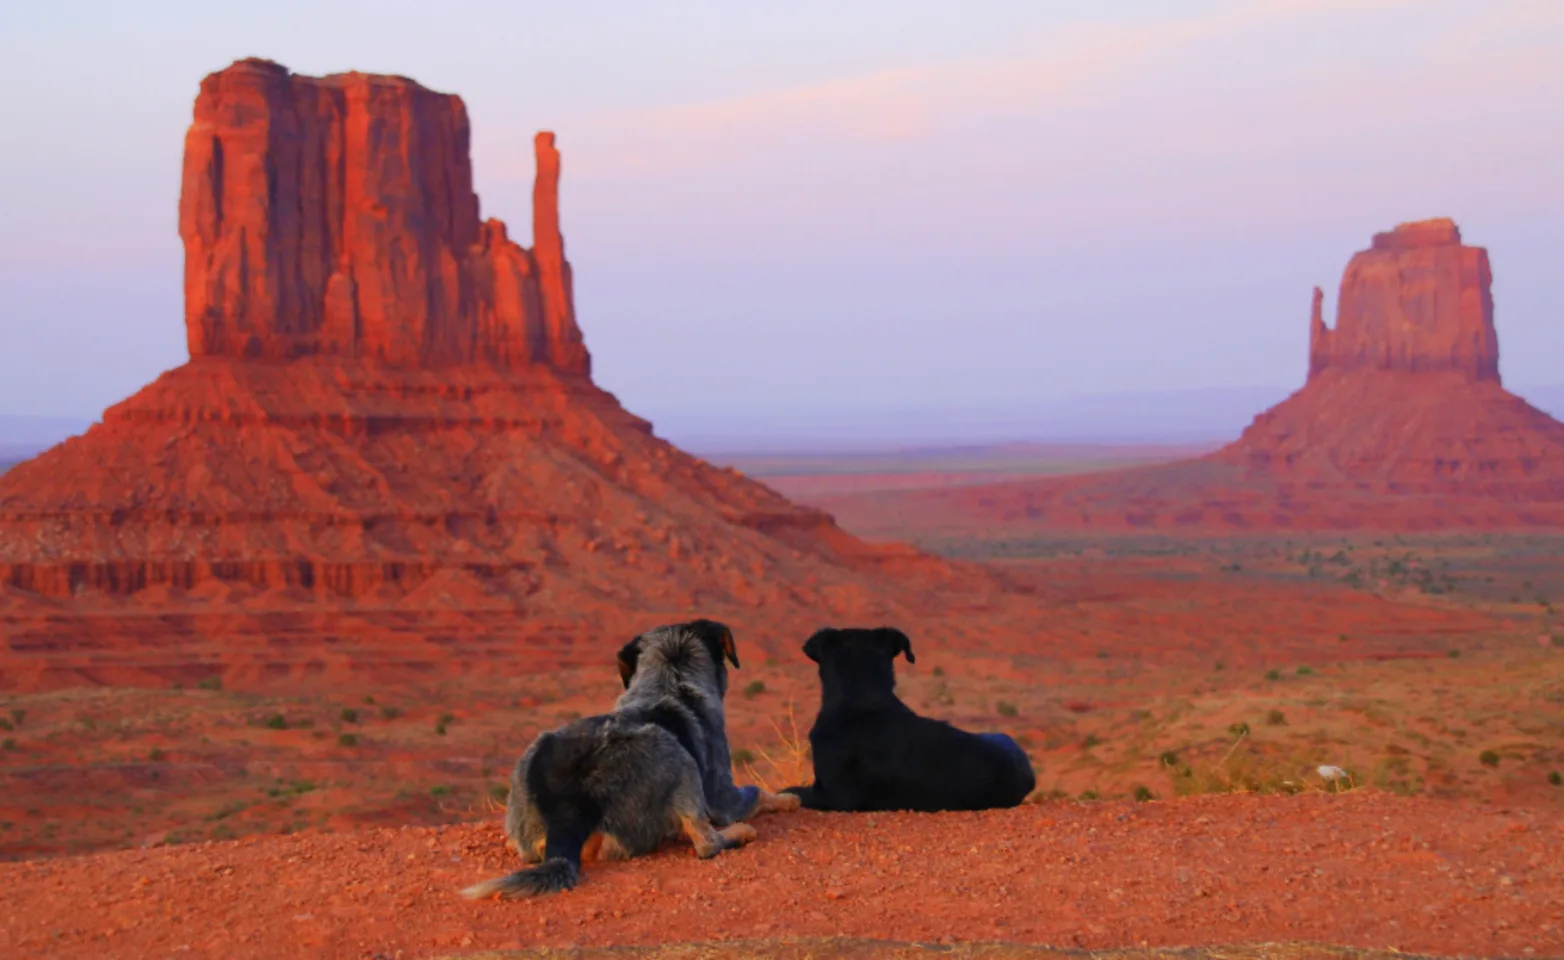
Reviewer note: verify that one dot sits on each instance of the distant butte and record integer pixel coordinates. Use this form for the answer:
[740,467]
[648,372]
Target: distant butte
[1404,395]
[386,457]
[1402,424]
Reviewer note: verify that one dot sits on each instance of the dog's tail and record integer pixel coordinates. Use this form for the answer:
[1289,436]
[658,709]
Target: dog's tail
[550,876]
[570,817]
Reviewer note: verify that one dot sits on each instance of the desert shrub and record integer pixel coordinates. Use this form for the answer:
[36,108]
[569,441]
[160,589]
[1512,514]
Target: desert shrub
[754,688]
[1239,729]
[349,715]
[157,755]
[439,790]
[439,729]
[1168,759]
[8,744]
[447,718]
[1488,758]
[939,671]
[1558,641]
[1006,708]
[1273,674]
[1090,795]
[389,712]
[1556,778]
[1305,671]
[1090,741]
[1276,718]
[1455,654]
[369,701]
[5,724]
[347,740]
[210,683]
[18,715]
[742,757]
[1143,793]
[1102,654]
[276,722]
[1220,666]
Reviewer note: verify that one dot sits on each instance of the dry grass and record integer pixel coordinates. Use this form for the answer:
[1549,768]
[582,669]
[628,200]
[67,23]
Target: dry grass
[1244,769]
[791,764]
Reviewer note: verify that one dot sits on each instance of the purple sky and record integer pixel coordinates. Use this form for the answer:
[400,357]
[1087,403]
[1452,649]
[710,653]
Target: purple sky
[784,211]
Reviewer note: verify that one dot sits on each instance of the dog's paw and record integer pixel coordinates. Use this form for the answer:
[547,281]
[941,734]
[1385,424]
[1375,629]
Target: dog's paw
[738,834]
[781,803]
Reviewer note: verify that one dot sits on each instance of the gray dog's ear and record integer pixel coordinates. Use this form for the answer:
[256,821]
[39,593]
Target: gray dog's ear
[899,643]
[814,647]
[718,639]
[629,656]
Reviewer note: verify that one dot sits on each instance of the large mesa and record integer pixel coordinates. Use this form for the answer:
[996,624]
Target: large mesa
[386,456]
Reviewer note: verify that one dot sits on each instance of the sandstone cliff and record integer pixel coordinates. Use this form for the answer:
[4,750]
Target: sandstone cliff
[336,216]
[1417,300]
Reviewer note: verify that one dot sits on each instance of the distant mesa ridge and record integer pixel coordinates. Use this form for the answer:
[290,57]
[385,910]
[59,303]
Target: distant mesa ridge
[1402,424]
[1404,394]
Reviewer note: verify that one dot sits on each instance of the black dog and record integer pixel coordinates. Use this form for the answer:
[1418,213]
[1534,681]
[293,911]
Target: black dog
[871,752]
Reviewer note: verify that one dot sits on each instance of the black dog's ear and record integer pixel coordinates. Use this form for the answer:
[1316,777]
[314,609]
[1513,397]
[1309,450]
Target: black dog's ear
[629,655]
[814,647]
[899,643]
[718,639]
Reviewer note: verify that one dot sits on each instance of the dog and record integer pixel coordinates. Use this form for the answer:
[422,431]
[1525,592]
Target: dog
[619,784]
[872,752]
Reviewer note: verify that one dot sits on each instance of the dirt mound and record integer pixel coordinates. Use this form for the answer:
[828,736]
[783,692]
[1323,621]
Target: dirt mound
[386,457]
[1359,870]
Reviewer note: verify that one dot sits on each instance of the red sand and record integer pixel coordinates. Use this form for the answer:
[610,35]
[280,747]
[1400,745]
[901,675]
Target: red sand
[1361,869]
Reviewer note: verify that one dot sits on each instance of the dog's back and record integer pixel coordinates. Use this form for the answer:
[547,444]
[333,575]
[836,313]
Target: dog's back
[872,752]
[894,760]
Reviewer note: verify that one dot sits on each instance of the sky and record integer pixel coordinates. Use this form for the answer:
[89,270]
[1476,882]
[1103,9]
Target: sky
[889,213]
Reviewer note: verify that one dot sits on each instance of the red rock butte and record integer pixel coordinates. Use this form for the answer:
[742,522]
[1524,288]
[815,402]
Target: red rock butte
[336,216]
[386,457]
[1402,424]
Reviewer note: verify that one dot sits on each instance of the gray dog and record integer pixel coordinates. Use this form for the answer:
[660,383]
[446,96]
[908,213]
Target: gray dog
[619,784]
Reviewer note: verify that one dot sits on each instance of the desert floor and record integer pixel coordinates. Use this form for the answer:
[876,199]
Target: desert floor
[1177,708]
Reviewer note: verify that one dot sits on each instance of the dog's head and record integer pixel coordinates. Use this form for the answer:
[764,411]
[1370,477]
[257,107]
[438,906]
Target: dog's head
[859,658]
[702,648]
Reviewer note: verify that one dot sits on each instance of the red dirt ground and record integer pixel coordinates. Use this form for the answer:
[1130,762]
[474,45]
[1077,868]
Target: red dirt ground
[1359,869]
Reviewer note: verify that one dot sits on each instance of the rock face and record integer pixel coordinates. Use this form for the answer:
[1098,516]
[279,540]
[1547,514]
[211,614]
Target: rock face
[1416,301]
[336,216]
[386,457]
